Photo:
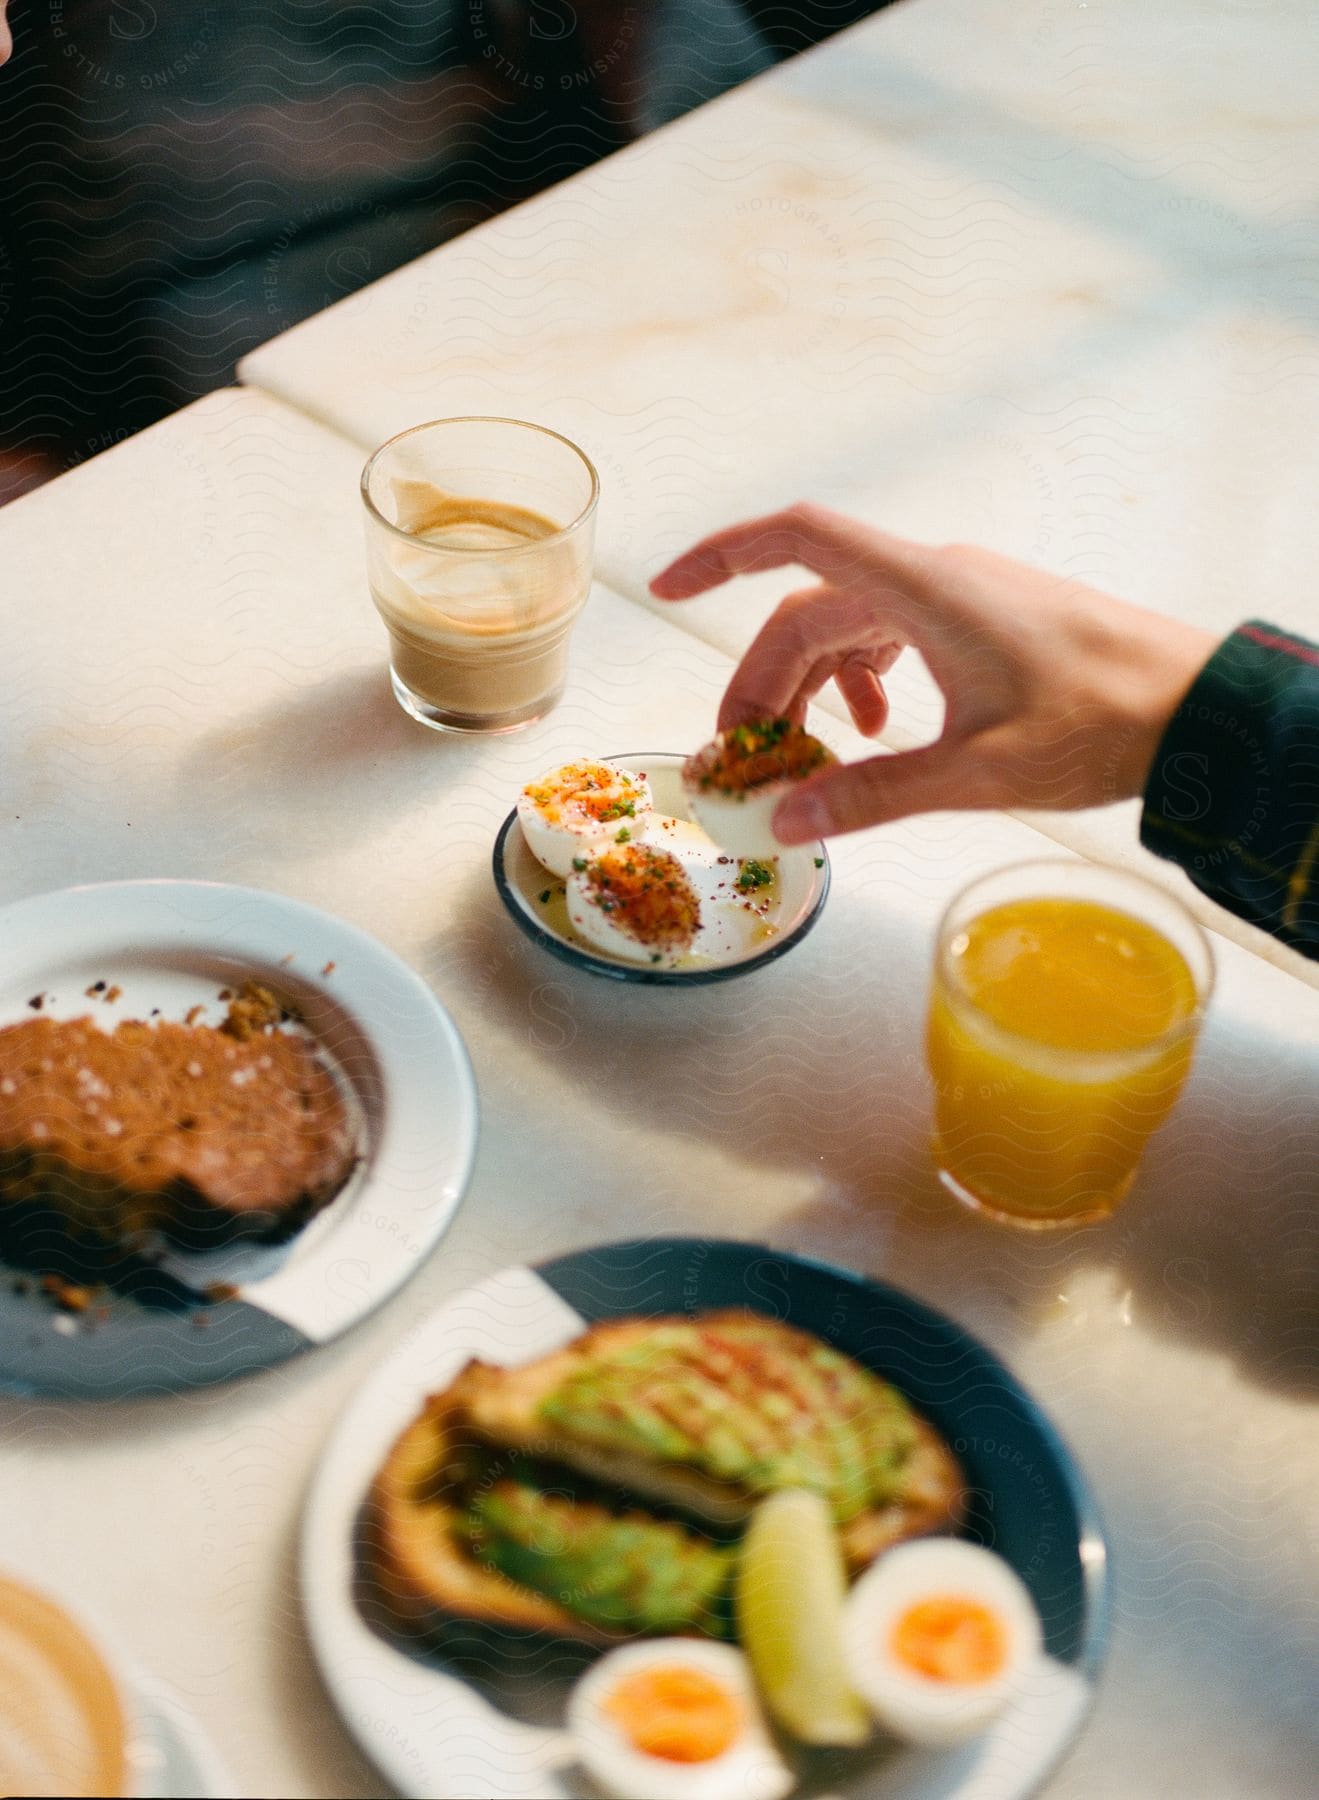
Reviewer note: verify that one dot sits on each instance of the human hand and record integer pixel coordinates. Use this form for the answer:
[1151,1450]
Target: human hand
[1056,694]
[6,38]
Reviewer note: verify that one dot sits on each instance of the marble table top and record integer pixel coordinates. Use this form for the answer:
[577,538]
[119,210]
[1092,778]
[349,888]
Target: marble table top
[1032,274]
[205,695]
[1038,274]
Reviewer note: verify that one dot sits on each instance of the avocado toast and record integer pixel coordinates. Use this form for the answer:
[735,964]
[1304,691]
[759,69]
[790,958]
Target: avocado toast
[599,1492]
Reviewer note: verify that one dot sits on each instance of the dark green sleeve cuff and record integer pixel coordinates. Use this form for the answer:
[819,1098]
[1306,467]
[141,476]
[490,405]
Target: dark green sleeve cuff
[1233,791]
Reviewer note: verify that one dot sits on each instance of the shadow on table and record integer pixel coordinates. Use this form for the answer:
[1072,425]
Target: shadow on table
[1219,1243]
[358,758]
[318,763]
[1216,1245]
[841,1097]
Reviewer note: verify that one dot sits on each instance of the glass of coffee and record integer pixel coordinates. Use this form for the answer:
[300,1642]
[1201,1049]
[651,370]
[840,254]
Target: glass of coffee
[479,537]
[67,1724]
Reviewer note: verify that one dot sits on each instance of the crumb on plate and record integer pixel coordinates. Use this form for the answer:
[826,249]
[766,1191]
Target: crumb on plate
[70,1296]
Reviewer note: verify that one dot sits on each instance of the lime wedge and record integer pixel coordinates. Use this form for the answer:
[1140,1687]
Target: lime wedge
[790,1590]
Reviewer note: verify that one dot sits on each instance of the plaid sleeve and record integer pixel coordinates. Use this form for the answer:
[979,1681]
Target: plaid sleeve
[1233,792]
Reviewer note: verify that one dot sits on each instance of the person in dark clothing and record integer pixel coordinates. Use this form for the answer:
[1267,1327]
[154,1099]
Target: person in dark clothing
[180,182]
[1057,696]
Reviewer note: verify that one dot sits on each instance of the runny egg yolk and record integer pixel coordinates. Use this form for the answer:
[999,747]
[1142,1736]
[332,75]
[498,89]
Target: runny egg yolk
[680,1714]
[951,1638]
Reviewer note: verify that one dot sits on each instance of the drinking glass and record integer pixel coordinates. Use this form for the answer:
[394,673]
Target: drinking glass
[479,539]
[70,1722]
[1066,1003]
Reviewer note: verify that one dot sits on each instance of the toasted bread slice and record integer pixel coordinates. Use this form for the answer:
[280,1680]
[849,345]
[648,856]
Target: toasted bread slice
[423,1571]
[700,1417]
[185,1129]
[503,1406]
[457,1531]
[710,1415]
[933,1499]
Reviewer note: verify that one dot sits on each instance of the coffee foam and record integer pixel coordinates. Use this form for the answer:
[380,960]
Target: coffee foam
[62,1726]
[477,594]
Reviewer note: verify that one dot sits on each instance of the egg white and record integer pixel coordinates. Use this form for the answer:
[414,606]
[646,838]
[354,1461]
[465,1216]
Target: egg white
[563,829]
[599,929]
[750,1769]
[739,823]
[913,1706]
[738,819]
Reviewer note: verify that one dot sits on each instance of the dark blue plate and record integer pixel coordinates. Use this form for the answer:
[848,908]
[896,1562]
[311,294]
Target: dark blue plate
[1029,1500]
[482,1715]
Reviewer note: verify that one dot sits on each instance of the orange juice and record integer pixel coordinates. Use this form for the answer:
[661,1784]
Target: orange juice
[1061,1031]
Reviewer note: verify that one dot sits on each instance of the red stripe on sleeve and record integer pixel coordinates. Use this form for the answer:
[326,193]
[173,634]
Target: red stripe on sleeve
[1271,640]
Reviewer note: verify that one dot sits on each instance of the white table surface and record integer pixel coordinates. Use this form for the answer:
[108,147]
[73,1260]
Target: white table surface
[193,685]
[1031,273]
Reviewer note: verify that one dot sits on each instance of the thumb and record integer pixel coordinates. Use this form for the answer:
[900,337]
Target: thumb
[943,777]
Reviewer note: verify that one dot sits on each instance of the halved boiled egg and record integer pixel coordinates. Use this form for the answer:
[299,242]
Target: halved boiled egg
[736,781]
[634,901]
[675,1719]
[939,1636]
[579,808]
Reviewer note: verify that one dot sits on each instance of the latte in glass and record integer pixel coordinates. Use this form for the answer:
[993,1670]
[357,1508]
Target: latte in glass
[64,1727]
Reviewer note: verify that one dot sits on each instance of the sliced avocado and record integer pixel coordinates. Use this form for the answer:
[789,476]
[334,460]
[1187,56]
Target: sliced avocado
[624,1570]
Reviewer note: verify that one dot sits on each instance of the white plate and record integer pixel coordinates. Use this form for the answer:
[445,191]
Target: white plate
[173,945]
[738,933]
[434,1733]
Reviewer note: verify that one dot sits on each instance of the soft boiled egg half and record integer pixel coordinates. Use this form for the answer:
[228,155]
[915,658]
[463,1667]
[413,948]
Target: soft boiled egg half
[579,808]
[736,781]
[635,901]
[675,1719]
[939,1636]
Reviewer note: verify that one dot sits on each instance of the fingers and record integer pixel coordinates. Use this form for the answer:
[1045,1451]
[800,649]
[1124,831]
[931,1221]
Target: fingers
[816,676]
[943,777]
[807,637]
[784,666]
[858,681]
[859,684]
[793,636]
[833,546]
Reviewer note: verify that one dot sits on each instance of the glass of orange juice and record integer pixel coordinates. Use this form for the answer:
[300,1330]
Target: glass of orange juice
[1066,1002]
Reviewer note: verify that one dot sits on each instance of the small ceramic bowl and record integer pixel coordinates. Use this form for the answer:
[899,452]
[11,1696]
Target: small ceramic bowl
[738,934]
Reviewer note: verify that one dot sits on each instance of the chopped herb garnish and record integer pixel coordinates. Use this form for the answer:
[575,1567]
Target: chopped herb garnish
[545,897]
[621,809]
[655,956]
[623,835]
[753,874]
[819,862]
[579,863]
[761,737]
